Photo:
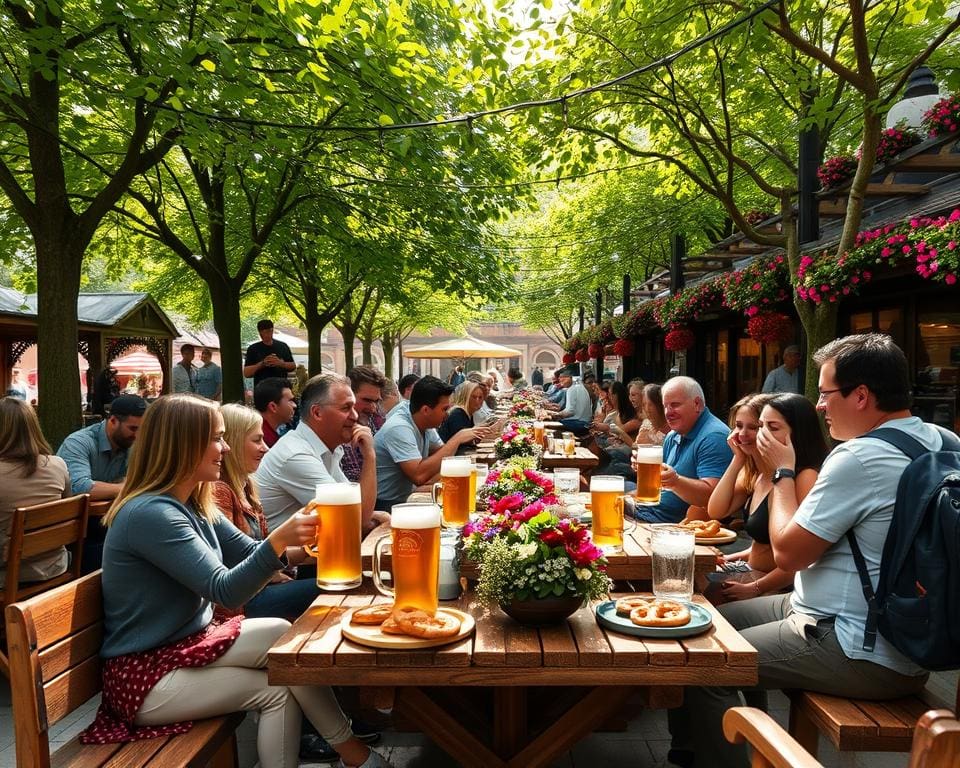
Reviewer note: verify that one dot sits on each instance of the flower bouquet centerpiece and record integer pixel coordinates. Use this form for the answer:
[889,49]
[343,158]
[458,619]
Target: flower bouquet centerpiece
[522,408]
[516,481]
[516,440]
[539,568]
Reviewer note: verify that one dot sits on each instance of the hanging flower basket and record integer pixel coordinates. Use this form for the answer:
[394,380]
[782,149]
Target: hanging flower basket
[568,358]
[623,347]
[769,327]
[893,141]
[581,356]
[679,339]
[943,118]
[837,171]
[595,351]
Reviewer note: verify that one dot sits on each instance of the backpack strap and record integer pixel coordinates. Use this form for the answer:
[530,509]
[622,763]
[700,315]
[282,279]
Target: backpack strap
[873,610]
[901,440]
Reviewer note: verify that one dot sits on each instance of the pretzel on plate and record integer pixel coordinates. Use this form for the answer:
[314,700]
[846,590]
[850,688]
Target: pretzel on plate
[422,624]
[372,614]
[661,613]
[626,604]
[702,529]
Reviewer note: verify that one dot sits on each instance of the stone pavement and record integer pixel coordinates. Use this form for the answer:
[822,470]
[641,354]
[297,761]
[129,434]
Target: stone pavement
[643,745]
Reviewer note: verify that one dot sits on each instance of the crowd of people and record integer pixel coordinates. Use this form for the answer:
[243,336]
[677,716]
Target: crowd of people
[209,520]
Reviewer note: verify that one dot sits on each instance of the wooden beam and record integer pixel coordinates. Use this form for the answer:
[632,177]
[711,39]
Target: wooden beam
[833,208]
[945,162]
[896,190]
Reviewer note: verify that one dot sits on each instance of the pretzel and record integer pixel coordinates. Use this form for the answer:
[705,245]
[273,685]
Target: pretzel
[372,614]
[702,529]
[422,624]
[390,627]
[661,613]
[626,604]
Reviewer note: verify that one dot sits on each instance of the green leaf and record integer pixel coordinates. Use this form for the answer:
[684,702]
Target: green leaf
[385,119]
[208,65]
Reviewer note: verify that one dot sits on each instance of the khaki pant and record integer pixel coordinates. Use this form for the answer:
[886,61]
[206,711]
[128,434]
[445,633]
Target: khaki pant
[794,651]
[237,681]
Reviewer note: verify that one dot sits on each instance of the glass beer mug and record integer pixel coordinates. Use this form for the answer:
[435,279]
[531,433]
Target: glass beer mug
[648,459]
[415,557]
[338,536]
[606,500]
[569,444]
[453,490]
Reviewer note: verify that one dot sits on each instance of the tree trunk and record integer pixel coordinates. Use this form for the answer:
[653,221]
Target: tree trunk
[820,324]
[59,260]
[387,344]
[226,319]
[315,326]
[349,335]
[367,347]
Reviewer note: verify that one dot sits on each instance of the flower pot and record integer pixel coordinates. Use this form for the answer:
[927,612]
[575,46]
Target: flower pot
[540,612]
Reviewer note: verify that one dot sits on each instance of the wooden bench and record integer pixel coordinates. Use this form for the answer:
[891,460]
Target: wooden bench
[858,724]
[53,640]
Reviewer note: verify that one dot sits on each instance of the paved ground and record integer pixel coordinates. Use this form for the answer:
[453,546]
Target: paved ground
[643,745]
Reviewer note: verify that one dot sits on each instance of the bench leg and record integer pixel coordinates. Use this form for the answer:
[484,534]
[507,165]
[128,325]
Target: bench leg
[226,756]
[803,729]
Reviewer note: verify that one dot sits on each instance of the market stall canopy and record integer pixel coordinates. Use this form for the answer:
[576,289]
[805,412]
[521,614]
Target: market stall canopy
[297,345]
[465,347]
[135,363]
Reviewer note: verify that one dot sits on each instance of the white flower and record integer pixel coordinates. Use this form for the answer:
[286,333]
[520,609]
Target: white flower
[527,550]
[583,574]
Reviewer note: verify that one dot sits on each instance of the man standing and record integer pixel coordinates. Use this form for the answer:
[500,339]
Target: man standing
[310,455]
[577,411]
[812,638]
[515,377]
[367,385]
[456,376]
[267,358]
[273,398]
[17,388]
[536,378]
[786,378]
[408,448]
[695,453]
[184,374]
[209,377]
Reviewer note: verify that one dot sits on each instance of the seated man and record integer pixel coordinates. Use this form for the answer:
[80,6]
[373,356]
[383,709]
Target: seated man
[405,385]
[96,458]
[273,398]
[812,638]
[310,455]
[367,384]
[408,448]
[577,411]
[695,453]
[515,377]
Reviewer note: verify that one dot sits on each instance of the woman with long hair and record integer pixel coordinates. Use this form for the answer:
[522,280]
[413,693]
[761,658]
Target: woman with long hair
[169,557]
[29,474]
[748,481]
[648,401]
[235,495]
[466,400]
[619,427]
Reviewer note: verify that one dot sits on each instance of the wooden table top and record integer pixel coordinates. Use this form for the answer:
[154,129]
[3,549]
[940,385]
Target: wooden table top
[582,459]
[502,652]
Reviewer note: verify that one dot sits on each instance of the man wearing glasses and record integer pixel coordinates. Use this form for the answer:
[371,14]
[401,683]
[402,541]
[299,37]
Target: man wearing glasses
[812,639]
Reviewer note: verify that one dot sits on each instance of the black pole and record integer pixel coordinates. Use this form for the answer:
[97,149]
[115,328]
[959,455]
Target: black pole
[626,294]
[598,318]
[581,317]
[678,252]
[808,215]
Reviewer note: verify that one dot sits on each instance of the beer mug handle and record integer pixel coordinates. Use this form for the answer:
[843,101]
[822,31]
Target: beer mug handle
[625,504]
[311,550]
[437,492]
[377,554]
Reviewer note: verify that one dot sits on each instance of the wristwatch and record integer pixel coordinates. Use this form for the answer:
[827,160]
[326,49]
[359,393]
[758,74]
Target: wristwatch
[781,473]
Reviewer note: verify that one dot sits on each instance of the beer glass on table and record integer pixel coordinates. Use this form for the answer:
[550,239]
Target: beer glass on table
[606,499]
[453,490]
[566,480]
[648,459]
[415,557]
[338,536]
[673,562]
[538,434]
[569,444]
[478,479]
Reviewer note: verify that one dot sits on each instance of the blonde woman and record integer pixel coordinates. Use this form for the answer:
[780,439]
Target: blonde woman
[466,400]
[235,494]
[169,556]
[29,474]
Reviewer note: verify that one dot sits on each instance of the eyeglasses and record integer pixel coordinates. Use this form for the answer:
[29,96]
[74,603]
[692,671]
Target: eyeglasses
[824,392]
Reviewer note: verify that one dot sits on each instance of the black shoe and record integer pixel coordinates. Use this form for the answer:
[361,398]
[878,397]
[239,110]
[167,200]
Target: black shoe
[364,731]
[682,757]
[315,749]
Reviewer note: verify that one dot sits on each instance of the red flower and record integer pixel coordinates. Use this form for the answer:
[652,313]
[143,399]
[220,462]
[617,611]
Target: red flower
[623,347]
[595,351]
[568,358]
[678,339]
[769,327]
[551,537]
[582,356]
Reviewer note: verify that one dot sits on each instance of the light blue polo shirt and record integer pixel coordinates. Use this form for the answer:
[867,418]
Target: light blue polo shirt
[89,457]
[399,439]
[703,452]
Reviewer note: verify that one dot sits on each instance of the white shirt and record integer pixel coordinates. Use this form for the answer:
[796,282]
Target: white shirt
[291,471]
[579,406]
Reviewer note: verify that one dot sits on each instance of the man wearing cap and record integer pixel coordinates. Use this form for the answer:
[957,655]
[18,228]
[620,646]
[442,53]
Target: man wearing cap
[268,357]
[96,456]
[786,378]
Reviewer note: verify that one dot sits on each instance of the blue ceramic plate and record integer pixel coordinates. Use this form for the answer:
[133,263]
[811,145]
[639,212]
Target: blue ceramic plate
[700,621]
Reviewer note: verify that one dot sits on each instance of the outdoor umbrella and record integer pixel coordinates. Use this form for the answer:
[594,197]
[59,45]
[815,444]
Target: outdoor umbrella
[135,363]
[465,347]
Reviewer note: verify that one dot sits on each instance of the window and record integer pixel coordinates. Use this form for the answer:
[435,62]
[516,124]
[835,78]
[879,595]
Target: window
[937,365]
[748,366]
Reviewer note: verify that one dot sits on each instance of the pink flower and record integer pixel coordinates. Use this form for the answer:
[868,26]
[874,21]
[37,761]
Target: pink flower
[950,279]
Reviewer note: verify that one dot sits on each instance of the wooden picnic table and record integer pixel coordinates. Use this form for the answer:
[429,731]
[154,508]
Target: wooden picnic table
[433,684]
[582,459]
[634,563]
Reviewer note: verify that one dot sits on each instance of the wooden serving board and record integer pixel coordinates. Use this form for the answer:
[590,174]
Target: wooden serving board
[371,636]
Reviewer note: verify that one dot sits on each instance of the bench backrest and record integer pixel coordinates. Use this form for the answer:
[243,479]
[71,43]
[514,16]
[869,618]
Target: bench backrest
[53,641]
[40,529]
[936,740]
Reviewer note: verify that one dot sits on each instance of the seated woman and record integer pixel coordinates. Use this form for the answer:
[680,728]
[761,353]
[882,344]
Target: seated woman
[235,495]
[29,474]
[616,433]
[748,481]
[466,400]
[648,401]
[169,557]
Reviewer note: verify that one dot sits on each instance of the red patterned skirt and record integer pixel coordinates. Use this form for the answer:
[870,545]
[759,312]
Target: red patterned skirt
[128,679]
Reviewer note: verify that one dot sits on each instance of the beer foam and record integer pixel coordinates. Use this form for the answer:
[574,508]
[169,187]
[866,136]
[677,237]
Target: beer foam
[414,516]
[649,454]
[456,468]
[338,493]
[673,544]
[606,483]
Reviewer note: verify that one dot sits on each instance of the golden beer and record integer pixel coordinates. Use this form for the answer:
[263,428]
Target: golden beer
[338,536]
[569,444]
[606,500]
[457,481]
[415,564]
[649,459]
[472,500]
[538,434]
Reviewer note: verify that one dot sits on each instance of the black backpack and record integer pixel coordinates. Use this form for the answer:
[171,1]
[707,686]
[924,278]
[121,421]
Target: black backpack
[916,606]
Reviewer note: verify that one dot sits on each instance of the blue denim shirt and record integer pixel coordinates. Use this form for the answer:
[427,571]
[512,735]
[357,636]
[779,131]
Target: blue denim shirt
[90,457]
